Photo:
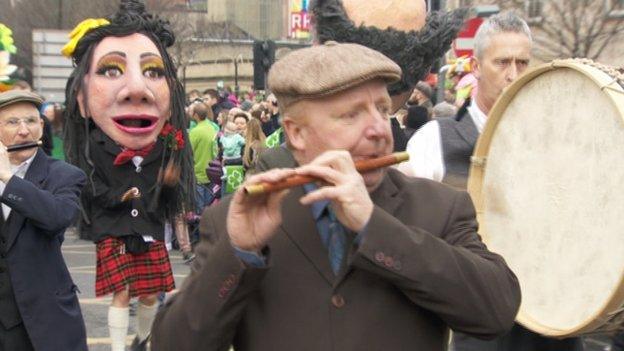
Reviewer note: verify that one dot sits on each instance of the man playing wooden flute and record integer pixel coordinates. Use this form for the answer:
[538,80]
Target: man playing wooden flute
[374,261]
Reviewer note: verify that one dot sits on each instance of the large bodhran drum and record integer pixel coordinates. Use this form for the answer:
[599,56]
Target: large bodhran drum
[547,179]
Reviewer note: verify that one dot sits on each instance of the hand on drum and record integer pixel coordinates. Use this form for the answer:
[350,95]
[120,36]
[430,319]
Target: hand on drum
[346,190]
[252,220]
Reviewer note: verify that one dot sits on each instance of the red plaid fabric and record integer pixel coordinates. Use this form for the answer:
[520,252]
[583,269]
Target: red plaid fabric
[145,274]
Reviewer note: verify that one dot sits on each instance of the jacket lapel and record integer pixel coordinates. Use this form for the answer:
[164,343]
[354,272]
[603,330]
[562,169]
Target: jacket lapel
[388,198]
[36,175]
[299,225]
[465,127]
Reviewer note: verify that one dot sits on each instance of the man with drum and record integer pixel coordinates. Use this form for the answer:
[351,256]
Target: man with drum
[441,149]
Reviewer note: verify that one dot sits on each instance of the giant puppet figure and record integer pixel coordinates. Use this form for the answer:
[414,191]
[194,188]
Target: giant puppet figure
[125,129]
[400,29]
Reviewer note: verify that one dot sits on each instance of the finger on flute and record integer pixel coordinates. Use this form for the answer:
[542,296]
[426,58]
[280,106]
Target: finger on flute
[264,188]
[360,166]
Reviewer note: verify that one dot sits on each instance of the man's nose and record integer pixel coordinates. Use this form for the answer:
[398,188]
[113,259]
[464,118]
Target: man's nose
[378,123]
[512,73]
[22,128]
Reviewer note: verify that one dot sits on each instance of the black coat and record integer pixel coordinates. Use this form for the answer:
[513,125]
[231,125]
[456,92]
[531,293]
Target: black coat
[110,216]
[43,205]
[400,140]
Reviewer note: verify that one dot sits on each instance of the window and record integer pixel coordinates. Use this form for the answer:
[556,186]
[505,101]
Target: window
[198,5]
[533,9]
[614,7]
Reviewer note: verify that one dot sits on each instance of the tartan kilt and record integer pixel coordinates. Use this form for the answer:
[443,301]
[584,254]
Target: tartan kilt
[145,274]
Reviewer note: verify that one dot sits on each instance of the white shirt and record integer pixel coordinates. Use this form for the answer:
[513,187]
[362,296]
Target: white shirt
[18,171]
[425,148]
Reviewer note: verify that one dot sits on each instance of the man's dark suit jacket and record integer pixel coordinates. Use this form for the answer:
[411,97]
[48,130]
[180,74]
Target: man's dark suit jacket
[43,205]
[420,269]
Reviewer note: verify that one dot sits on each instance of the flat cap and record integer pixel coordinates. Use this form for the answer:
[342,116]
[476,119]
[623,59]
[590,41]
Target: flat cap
[14,96]
[424,88]
[327,69]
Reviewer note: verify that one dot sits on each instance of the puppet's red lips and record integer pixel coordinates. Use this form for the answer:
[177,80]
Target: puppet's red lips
[136,124]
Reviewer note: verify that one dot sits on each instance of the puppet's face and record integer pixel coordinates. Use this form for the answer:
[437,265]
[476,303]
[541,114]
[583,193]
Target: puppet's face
[403,15]
[126,92]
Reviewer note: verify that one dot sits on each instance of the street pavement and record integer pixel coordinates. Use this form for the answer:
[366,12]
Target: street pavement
[80,257]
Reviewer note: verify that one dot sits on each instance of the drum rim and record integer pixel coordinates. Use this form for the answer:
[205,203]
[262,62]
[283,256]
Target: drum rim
[615,94]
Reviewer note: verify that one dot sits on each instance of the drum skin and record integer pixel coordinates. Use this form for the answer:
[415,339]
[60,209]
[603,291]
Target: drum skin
[547,180]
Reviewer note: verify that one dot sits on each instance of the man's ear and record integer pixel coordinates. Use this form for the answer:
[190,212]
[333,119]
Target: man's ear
[295,132]
[476,67]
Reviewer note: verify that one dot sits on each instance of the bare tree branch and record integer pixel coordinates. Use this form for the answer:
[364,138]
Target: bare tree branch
[573,28]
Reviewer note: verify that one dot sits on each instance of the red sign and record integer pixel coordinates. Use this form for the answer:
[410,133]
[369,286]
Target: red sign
[464,44]
[299,25]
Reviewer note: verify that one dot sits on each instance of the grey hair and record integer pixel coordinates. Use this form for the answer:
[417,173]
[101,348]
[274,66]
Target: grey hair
[499,23]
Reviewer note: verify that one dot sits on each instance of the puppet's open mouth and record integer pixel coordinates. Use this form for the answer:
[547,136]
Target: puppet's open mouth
[136,124]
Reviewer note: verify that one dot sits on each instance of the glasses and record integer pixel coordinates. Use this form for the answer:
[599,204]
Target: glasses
[14,122]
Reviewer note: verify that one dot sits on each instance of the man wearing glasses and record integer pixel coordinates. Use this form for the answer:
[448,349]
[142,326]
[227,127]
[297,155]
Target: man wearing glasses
[39,198]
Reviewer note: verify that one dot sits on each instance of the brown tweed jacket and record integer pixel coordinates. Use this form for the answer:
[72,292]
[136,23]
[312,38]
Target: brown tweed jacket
[420,269]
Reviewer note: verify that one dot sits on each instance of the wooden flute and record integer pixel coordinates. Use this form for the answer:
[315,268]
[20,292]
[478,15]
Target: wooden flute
[361,166]
[19,147]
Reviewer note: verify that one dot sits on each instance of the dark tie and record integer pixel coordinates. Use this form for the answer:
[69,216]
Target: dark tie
[336,241]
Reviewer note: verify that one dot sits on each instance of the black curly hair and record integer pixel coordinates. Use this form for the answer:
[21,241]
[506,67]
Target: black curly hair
[131,18]
[414,51]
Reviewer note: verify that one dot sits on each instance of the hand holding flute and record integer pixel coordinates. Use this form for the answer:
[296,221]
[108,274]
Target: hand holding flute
[5,162]
[361,166]
[252,220]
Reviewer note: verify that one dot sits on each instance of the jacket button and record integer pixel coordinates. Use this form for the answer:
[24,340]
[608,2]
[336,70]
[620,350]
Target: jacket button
[338,301]
[138,169]
[223,292]
[379,256]
[134,212]
[389,262]
[230,281]
[397,265]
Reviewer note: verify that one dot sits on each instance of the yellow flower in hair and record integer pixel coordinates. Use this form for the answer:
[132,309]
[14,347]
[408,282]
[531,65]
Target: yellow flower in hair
[79,31]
